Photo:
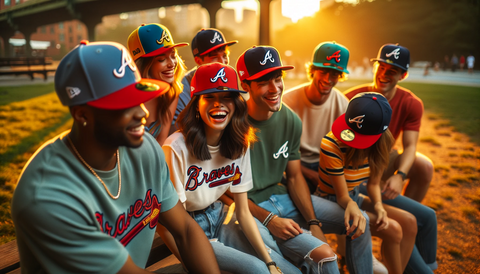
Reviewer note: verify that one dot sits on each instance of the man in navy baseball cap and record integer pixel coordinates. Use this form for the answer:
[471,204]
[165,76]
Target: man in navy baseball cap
[89,200]
[390,67]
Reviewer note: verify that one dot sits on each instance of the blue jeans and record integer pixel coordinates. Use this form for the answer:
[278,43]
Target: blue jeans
[232,249]
[331,215]
[423,258]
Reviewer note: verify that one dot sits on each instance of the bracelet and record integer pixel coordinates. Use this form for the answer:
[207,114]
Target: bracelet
[275,265]
[270,217]
[314,222]
[403,174]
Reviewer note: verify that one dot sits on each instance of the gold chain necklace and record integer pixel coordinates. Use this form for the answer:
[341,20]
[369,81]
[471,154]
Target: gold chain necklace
[94,173]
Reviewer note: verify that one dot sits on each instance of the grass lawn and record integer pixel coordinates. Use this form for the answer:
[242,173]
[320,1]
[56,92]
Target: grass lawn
[21,93]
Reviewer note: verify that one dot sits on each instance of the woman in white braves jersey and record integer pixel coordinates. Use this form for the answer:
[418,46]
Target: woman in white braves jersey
[210,155]
[156,56]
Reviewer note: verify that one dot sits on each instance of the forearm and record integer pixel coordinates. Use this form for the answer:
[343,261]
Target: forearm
[300,195]
[309,174]
[409,141]
[257,212]
[374,192]
[250,228]
[169,241]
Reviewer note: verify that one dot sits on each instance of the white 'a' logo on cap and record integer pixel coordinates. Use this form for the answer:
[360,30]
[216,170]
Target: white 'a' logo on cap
[216,37]
[72,91]
[220,74]
[395,53]
[358,120]
[126,61]
[268,57]
[164,37]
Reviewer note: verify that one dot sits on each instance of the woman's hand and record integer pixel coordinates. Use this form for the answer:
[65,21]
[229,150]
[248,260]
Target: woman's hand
[274,270]
[382,219]
[352,212]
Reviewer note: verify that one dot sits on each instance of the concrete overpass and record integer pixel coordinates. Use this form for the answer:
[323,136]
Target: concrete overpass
[28,16]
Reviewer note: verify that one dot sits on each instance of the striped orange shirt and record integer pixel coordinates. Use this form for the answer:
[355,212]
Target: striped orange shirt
[332,163]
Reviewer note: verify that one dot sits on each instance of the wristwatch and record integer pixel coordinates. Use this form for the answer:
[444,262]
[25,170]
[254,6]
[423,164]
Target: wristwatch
[403,174]
[274,264]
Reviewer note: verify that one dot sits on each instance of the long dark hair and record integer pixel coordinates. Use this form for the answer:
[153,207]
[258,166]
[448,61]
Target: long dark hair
[236,138]
[378,154]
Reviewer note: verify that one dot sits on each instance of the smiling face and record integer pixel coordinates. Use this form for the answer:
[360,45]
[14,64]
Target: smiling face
[266,93]
[163,66]
[216,110]
[324,79]
[124,127]
[386,77]
[220,55]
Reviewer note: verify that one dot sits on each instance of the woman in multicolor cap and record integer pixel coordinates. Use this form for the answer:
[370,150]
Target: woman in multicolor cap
[209,155]
[354,152]
[154,52]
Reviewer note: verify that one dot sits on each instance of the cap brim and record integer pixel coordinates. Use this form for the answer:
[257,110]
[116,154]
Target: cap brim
[266,71]
[164,49]
[132,95]
[385,61]
[359,141]
[215,90]
[320,65]
[218,46]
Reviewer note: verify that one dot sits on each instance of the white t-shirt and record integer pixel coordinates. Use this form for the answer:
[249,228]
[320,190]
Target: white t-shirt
[470,61]
[200,183]
[317,120]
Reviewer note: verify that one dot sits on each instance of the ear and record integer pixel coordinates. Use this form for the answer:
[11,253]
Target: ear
[198,60]
[245,87]
[81,114]
[404,75]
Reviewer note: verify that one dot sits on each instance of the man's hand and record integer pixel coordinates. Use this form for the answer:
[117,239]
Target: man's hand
[318,233]
[393,187]
[352,212]
[284,228]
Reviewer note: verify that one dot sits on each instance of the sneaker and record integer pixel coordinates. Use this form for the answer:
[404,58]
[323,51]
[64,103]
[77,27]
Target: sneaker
[378,267]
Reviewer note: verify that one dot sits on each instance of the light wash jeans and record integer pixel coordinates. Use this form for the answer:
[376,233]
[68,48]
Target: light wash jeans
[423,258]
[359,251]
[232,249]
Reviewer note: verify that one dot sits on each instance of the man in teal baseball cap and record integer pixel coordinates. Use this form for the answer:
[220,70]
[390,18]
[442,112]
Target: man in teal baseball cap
[318,103]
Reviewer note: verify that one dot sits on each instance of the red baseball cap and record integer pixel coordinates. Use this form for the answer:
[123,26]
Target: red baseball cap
[214,77]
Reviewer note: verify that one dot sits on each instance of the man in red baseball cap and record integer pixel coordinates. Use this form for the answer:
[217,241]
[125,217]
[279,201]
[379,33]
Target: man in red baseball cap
[89,200]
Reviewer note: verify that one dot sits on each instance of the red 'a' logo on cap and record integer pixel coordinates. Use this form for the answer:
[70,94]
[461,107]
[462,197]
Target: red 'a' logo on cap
[336,55]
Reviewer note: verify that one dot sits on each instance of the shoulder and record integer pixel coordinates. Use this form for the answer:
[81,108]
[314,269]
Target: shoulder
[287,113]
[408,97]
[176,142]
[356,90]
[294,92]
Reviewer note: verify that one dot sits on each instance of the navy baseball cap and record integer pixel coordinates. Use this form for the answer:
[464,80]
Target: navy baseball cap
[367,117]
[331,55]
[103,75]
[207,40]
[256,62]
[214,77]
[395,55]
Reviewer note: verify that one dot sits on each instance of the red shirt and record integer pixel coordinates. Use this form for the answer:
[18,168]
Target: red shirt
[407,108]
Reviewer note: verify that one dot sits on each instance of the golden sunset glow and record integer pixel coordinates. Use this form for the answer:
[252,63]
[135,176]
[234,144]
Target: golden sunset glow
[296,10]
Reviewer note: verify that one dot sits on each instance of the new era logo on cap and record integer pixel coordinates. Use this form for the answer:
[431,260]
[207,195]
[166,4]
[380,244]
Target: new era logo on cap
[208,40]
[214,77]
[395,55]
[258,61]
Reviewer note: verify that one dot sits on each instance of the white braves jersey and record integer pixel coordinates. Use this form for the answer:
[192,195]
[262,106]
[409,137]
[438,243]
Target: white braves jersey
[200,183]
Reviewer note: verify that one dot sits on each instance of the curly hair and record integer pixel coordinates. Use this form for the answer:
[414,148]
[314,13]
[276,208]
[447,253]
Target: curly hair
[238,135]
[312,68]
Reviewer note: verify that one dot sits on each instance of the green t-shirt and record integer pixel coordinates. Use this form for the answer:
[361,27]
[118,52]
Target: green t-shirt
[278,143]
[65,221]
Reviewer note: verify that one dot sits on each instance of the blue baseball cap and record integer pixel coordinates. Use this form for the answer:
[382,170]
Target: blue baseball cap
[150,40]
[103,75]
[256,62]
[207,40]
[395,55]
[367,117]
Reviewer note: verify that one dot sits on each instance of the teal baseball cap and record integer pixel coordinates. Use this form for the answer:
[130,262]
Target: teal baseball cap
[331,55]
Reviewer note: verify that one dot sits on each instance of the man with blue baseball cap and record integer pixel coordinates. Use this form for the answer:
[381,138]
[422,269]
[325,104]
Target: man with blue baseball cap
[89,200]
[390,67]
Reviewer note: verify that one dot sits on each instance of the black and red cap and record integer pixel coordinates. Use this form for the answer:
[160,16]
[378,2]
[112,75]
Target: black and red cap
[207,40]
[258,61]
[367,117]
[212,78]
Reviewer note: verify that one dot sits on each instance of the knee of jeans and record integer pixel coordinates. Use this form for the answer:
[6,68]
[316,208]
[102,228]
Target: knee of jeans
[323,253]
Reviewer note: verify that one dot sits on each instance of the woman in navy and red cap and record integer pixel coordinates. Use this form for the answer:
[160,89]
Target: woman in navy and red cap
[354,152]
[154,52]
[209,155]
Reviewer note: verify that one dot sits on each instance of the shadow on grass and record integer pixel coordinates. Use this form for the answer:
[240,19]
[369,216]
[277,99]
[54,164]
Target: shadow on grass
[26,144]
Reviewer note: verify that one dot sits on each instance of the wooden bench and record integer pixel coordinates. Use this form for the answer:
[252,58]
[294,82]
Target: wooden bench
[23,65]
[10,259]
